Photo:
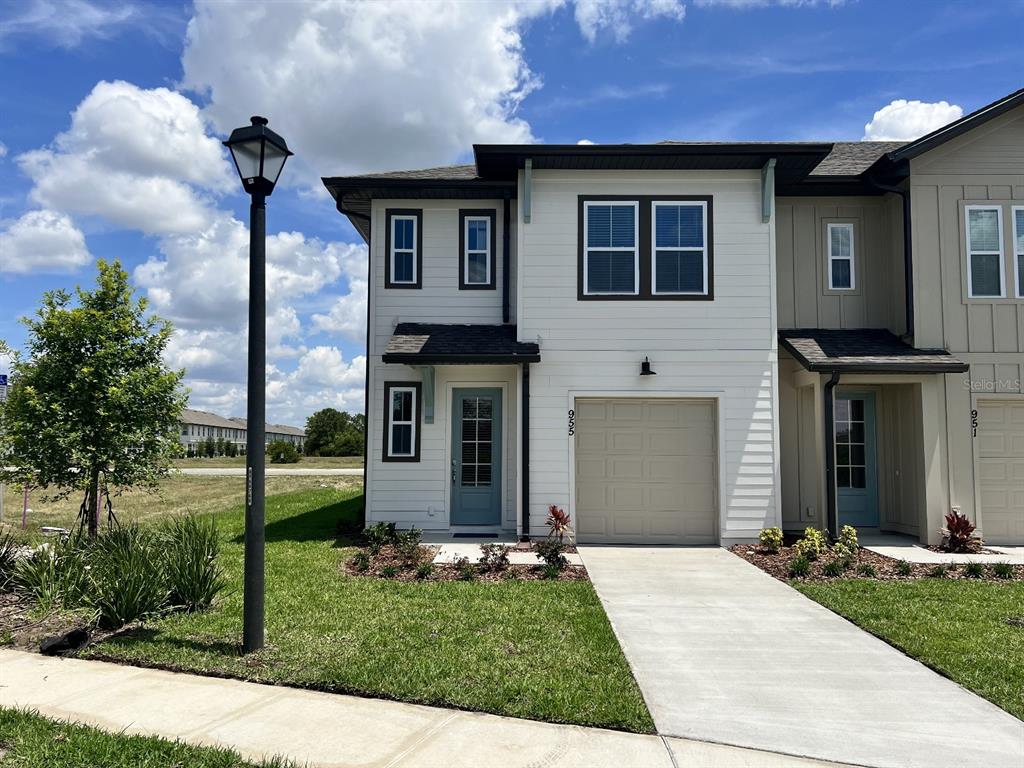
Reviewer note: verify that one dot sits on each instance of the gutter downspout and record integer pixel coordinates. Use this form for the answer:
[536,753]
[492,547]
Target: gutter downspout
[908,246]
[525,437]
[506,262]
[831,507]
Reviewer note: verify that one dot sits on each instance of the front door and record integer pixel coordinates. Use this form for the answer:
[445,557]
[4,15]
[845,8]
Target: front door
[856,468]
[476,457]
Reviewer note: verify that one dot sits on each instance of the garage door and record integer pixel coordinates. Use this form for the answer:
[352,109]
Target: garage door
[646,471]
[1000,446]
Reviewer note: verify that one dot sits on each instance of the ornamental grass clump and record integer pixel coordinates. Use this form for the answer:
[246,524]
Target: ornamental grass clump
[126,578]
[799,567]
[770,540]
[9,550]
[191,548]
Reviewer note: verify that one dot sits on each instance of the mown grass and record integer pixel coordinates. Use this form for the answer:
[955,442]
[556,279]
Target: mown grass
[30,741]
[959,628]
[540,650]
[306,462]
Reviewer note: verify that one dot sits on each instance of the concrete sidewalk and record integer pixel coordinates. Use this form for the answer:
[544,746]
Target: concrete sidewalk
[334,731]
[725,653]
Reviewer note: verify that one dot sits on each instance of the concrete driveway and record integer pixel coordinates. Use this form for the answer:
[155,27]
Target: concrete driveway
[725,653]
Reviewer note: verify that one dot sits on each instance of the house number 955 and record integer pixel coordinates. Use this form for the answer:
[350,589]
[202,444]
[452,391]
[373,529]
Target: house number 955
[572,422]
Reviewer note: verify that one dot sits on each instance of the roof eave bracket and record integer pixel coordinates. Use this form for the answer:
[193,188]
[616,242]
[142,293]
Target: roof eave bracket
[427,376]
[527,189]
[767,190]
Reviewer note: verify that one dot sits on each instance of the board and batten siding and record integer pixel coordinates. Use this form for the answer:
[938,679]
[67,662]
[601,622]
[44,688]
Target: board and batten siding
[725,348]
[804,298]
[981,166]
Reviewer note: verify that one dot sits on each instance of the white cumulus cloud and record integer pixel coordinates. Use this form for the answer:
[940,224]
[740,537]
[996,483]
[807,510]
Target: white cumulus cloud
[903,120]
[42,241]
[614,16]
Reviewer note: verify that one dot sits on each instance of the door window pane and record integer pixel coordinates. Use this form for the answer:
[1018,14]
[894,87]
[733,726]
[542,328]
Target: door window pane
[476,441]
[851,447]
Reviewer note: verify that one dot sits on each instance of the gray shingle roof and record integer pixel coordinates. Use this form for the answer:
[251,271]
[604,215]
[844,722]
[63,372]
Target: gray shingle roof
[864,350]
[206,419]
[434,343]
[440,173]
[851,158]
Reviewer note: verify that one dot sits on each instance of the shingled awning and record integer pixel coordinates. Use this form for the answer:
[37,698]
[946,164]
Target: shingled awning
[435,344]
[864,350]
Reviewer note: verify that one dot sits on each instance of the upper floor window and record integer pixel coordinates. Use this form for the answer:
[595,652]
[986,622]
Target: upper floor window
[477,240]
[403,248]
[985,251]
[841,274]
[1018,247]
[401,421]
[680,255]
[611,263]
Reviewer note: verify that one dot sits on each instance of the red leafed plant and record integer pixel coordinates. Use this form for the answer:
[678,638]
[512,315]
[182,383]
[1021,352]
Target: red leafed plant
[559,523]
[959,532]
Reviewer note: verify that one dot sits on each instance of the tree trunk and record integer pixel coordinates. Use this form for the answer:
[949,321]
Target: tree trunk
[92,503]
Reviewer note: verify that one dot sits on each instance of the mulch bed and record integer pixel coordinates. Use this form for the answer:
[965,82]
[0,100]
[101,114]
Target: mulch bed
[886,568]
[404,570]
[976,548]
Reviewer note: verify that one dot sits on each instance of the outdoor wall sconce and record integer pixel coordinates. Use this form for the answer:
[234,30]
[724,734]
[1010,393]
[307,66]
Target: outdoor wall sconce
[645,368]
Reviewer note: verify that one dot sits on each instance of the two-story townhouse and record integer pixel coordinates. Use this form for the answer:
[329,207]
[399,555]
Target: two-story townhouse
[679,343]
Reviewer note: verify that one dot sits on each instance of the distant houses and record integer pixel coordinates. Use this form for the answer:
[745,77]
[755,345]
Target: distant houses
[228,434]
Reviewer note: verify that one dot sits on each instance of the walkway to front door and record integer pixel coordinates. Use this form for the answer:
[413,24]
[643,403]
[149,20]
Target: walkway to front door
[725,653]
[476,457]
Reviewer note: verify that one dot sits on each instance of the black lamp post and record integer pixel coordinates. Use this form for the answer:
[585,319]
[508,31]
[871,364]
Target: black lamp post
[259,156]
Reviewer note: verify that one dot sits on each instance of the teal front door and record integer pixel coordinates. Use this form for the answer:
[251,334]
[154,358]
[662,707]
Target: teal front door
[856,466]
[476,457]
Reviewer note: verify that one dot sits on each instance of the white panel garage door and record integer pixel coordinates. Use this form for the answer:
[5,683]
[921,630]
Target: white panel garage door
[646,471]
[1000,444]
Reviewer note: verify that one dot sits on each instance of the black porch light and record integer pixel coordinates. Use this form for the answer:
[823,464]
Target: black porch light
[645,368]
[259,156]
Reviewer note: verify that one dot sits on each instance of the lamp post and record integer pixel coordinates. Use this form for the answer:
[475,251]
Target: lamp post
[259,156]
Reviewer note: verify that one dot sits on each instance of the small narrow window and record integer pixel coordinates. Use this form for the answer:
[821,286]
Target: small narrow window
[841,276]
[401,422]
[477,249]
[611,265]
[985,252]
[403,249]
[680,248]
[1018,247]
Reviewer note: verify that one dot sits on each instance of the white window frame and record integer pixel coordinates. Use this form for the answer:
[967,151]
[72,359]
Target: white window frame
[1016,250]
[852,258]
[655,248]
[411,251]
[486,251]
[401,423]
[635,205]
[967,243]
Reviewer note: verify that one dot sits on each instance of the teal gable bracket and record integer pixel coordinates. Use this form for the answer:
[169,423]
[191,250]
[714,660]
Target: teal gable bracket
[427,374]
[767,190]
[527,189]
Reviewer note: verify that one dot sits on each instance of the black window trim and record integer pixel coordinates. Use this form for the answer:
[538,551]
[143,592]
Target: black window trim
[645,248]
[492,215]
[389,214]
[417,421]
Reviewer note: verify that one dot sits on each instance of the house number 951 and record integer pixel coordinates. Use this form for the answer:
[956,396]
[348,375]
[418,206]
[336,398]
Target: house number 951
[572,422]
[974,423]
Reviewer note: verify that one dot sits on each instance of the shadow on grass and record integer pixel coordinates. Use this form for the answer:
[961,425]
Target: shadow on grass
[339,521]
[152,634]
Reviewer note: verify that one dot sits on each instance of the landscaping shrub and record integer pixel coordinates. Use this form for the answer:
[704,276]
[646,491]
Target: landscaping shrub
[424,570]
[495,557]
[8,559]
[389,571]
[379,535]
[191,547]
[867,570]
[552,553]
[833,568]
[958,533]
[939,571]
[848,538]
[282,452]
[559,523]
[407,545]
[903,568]
[843,555]
[1002,570]
[361,561]
[974,570]
[125,578]
[799,567]
[812,545]
[550,571]
[466,569]
[770,540]
[36,576]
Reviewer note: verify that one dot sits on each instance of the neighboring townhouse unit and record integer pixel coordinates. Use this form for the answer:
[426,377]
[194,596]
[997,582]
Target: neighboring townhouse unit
[198,426]
[681,343]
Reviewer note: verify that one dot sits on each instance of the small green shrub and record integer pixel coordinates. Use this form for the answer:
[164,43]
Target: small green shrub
[974,570]
[283,452]
[812,545]
[36,576]
[551,572]
[903,568]
[494,558]
[770,540]
[510,575]
[360,561]
[466,569]
[799,567]
[1002,570]
[424,571]
[125,579]
[843,555]
[407,545]
[389,572]
[552,552]
[867,570]
[848,538]
[191,548]
[379,535]
[833,569]
[939,571]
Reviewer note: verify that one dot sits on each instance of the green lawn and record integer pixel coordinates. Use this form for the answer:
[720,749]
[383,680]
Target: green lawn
[30,741]
[541,650]
[306,462]
[956,627]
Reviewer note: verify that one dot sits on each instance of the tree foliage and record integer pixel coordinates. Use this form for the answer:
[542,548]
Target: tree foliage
[92,403]
[330,432]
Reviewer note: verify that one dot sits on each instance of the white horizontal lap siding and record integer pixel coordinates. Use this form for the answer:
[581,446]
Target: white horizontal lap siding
[722,348]
[439,300]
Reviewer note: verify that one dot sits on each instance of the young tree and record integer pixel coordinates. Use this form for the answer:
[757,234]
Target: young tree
[322,428]
[92,404]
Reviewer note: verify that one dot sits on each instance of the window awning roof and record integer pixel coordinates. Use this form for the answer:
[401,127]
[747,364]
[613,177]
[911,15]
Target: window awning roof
[864,350]
[436,344]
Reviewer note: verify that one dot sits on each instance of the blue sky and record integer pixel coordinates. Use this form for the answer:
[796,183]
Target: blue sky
[111,114]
